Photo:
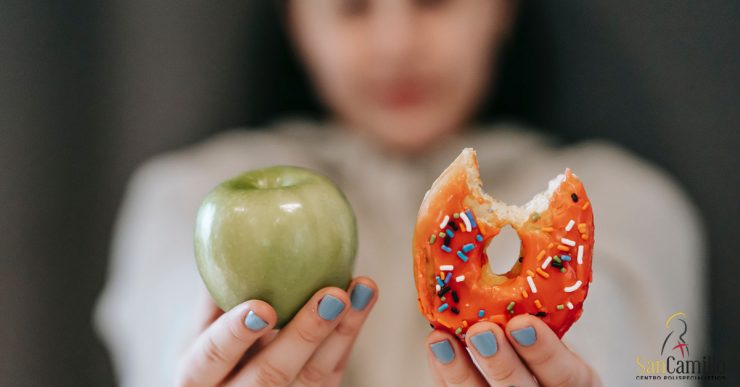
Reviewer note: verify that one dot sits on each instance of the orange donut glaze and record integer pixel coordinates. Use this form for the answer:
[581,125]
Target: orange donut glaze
[484,296]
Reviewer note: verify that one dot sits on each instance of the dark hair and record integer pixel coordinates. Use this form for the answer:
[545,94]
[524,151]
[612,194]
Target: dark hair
[285,88]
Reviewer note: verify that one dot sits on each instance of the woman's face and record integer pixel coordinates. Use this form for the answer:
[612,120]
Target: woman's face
[404,71]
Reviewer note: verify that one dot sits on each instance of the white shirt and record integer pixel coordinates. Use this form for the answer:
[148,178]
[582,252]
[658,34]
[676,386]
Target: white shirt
[648,257]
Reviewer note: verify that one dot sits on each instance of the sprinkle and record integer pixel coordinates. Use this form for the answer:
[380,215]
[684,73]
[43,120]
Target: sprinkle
[582,228]
[567,241]
[466,221]
[446,268]
[456,215]
[540,255]
[530,273]
[432,239]
[443,299]
[541,314]
[479,238]
[570,225]
[450,233]
[531,285]
[462,227]
[447,279]
[584,237]
[481,313]
[574,197]
[562,270]
[458,330]
[573,287]
[465,323]
[462,256]
[447,240]
[559,307]
[538,304]
[471,218]
[444,221]
[468,247]
[580,254]
[455,310]
[565,258]
[547,229]
[585,206]
[439,281]
[453,226]
[443,307]
[557,265]
[460,278]
[569,305]
[563,248]
[557,259]
[446,249]
[455,297]
[441,234]
[525,294]
[547,262]
[437,287]
[510,307]
[542,273]
[442,291]
[441,274]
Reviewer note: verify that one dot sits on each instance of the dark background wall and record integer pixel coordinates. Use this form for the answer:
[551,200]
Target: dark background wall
[88,89]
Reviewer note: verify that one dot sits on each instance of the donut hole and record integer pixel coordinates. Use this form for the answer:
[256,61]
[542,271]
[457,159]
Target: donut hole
[503,251]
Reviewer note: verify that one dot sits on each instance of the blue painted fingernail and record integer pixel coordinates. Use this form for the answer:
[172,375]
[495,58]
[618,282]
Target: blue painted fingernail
[525,336]
[254,322]
[361,296]
[442,350]
[485,343]
[330,307]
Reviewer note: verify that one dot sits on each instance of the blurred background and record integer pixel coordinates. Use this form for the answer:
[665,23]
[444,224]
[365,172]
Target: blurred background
[90,89]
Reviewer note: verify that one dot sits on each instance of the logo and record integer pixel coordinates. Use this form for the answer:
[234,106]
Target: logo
[676,360]
[680,340]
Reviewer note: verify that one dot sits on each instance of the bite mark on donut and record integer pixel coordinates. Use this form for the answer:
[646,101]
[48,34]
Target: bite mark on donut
[465,220]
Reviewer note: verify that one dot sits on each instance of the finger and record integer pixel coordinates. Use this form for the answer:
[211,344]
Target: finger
[451,361]
[220,347]
[546,356]
[279,363]
[496,358]
[332,353]
[210,312]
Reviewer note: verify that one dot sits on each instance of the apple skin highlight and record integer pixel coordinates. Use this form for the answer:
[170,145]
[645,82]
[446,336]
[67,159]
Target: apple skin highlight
[276,234]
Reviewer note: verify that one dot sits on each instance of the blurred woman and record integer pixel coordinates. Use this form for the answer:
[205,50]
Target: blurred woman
[401,79]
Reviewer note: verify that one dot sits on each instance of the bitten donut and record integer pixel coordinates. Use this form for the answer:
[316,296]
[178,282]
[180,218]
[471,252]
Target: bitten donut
[457,221]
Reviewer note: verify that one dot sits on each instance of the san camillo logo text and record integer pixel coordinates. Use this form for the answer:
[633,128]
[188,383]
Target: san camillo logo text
[676,360]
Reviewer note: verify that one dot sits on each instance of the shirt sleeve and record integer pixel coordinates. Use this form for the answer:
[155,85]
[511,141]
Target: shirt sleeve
[147,311]
[649,263]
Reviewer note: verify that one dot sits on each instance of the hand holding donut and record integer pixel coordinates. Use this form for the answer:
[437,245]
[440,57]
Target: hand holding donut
[526,353]
[512,322]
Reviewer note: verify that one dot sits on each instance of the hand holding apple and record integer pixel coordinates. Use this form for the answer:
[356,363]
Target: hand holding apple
[277,234]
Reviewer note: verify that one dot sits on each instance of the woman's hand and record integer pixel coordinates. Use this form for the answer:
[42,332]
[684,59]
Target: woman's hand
[527,354]
[240,348]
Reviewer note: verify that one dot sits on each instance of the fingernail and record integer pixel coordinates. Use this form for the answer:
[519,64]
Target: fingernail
[360,296]
[525,336]
[485,343]
[442,350]
[254,322]
[330,307]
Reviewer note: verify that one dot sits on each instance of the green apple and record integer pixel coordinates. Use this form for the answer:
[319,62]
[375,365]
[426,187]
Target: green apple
[276,234]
